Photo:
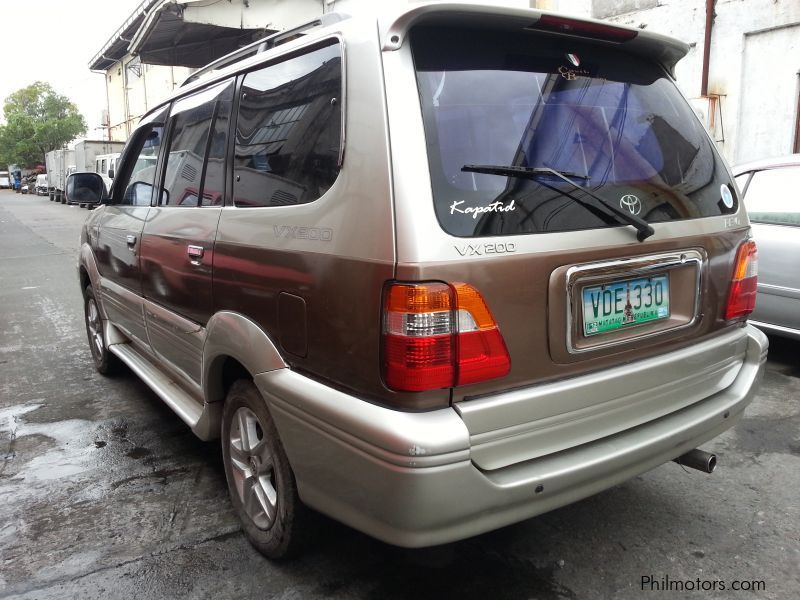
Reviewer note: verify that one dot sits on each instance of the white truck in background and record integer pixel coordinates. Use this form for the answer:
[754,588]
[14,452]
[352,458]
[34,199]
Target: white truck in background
[106,165]
[59,164]
[87,152]
[91,154]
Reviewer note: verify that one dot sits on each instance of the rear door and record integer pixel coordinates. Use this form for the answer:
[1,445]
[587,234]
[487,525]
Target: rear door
[540,150]
[535,146]
[178,236]
[117,237]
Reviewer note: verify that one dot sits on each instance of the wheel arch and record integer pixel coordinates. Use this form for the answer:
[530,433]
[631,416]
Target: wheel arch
[88,273]
[83,275]
[235,347]
[88,265]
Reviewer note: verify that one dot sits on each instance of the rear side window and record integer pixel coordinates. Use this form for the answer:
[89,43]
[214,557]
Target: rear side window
[771,197]
[194,173]
[611,122]
[289,130]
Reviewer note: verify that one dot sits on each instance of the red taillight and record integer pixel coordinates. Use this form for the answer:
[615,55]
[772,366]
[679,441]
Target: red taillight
[437,335]
[742,297]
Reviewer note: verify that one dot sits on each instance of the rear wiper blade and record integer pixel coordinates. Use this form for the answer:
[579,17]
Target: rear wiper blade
[643,228]
[527,172]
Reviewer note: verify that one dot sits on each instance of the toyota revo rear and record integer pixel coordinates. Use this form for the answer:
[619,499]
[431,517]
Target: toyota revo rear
[573,273]
[510,270]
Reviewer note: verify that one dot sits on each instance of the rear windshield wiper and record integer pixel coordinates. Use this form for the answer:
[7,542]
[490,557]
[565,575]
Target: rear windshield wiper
[643,228]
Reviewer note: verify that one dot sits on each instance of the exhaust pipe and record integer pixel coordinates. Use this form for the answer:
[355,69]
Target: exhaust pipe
[698,459]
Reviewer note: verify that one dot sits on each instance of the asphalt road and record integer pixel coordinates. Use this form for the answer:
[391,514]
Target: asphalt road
[104,493]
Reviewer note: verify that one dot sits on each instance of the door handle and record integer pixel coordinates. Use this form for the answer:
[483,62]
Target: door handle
[131,239]
[195,254]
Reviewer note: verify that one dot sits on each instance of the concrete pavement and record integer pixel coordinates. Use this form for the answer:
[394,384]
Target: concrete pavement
[104,493]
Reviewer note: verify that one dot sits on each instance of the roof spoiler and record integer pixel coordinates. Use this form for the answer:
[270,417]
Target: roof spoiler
[662,49]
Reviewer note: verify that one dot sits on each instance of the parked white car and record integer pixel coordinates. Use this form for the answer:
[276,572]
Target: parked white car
[769,188]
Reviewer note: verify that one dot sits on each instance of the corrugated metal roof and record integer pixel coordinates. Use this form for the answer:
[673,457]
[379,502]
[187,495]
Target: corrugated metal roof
[117,45]
[162,37]
[172,41]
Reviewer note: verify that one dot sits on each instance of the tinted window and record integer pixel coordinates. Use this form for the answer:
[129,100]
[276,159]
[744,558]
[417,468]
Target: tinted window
[214,181]
[195,163]
[614,122]
[139,188]
[771,196]
[288,132]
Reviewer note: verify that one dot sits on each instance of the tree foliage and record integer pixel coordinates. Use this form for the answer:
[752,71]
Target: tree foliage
[38,120]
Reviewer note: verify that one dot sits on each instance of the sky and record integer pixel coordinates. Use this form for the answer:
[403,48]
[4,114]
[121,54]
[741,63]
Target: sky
[53,41]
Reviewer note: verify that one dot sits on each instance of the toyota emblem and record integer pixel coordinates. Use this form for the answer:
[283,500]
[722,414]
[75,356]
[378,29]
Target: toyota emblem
[631,203]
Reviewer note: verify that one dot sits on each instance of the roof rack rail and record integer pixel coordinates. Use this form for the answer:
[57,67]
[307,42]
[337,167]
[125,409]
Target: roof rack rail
[264,44]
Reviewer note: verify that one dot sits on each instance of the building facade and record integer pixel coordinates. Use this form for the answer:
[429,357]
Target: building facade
[163,41]
[744,83]
[132,88]
[751,104]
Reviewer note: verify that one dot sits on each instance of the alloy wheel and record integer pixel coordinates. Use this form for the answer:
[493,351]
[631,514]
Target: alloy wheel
[253,468]
[95,326]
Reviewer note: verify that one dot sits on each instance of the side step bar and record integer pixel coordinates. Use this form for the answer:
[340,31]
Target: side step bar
[186,407]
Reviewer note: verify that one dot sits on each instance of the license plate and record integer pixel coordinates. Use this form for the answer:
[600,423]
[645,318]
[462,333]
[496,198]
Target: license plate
[619,304]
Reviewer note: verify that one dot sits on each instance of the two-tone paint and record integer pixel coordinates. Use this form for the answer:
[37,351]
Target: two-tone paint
[295,304]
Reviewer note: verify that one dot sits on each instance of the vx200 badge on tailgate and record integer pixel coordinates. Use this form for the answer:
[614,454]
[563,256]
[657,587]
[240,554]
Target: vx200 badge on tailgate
[486,249]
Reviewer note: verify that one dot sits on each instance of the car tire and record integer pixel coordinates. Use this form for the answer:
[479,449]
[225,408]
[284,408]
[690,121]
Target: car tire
[261,484]
[105,362]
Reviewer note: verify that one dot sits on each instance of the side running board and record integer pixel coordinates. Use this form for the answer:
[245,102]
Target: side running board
[186,407]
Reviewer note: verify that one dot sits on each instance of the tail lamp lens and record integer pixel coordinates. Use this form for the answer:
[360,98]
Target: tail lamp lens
[437,335]
[742,296]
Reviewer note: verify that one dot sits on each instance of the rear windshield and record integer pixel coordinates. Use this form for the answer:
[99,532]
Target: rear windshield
[610,122]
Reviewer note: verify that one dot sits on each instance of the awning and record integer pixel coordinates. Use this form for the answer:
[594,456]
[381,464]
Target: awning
[166,38]
[159,34]
[117,45]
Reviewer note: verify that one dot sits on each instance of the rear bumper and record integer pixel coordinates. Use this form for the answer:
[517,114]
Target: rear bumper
[410,479]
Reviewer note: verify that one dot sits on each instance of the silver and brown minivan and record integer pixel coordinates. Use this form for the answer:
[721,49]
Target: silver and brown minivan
[430,273]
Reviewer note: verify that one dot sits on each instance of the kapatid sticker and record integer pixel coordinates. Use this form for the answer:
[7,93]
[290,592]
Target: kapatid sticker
[475,211]
[727,197]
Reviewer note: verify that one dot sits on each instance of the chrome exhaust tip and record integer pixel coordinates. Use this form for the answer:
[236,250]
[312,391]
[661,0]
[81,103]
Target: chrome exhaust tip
[698,459]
